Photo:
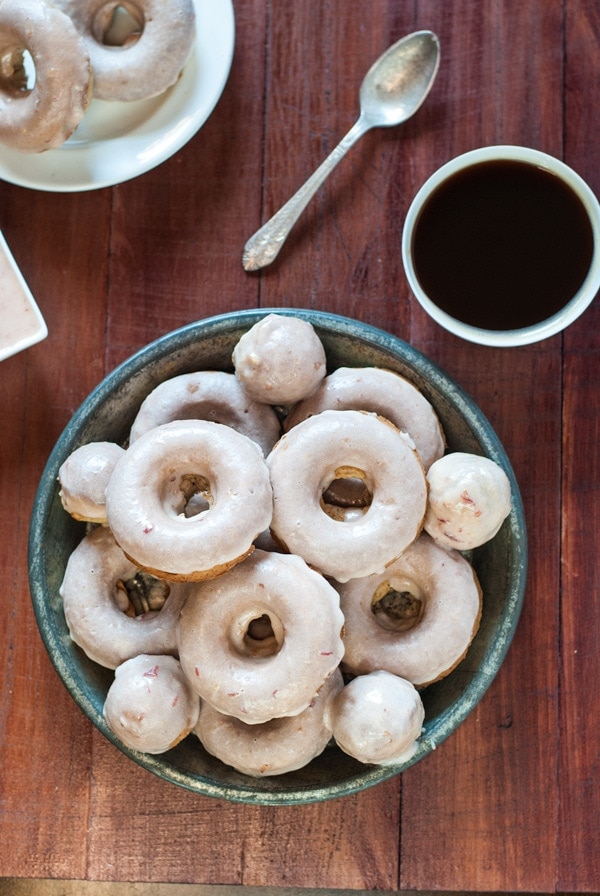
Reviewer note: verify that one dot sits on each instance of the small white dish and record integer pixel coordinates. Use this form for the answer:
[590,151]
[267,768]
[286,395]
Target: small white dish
[21,321]
[119,141]
[541,329]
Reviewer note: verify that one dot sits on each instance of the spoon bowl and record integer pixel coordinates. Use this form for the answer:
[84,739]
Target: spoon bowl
[391,92]
[397,84]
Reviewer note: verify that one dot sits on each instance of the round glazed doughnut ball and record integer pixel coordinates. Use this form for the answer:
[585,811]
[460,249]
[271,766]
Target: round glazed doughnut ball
[40,117]
[377,718]
[83,478]
[147,63]
[153,482]
[274,747]
[416,619]
[382,392]
[346,444]
[280,360]
[258,642]
[469,499]
[94,593]
[208,395]
[150,705]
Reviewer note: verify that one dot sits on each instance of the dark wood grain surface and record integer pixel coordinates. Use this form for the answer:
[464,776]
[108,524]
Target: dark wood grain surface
[511,801]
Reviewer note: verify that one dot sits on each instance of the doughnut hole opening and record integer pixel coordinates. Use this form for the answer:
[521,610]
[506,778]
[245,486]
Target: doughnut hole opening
[197,494]
[257,633]
[187,495]
[17,71]
[398,605]
[347,496]
[142,593]
[118,25]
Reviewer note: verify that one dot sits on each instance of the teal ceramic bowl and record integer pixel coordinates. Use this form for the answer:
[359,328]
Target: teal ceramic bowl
[107,415]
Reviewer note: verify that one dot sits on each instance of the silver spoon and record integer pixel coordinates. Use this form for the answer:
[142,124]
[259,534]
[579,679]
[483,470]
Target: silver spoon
[392,91]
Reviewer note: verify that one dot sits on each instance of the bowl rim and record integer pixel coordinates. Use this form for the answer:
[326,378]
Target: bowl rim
[327,323]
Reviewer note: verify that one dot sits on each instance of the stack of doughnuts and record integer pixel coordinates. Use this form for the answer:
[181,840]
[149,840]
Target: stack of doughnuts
[290,545]
[77,53]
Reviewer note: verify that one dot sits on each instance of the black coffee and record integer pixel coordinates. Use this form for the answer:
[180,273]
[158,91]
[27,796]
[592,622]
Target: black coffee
[502,245]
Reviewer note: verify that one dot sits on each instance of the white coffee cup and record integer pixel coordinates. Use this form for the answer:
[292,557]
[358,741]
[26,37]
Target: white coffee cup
[574,305]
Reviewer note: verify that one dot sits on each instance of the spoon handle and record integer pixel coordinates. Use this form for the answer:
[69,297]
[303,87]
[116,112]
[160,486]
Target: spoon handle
[264,247]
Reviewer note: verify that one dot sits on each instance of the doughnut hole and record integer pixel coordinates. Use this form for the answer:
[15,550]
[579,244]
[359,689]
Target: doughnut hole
[398,605]
[118,25]
[257,633]
[17,72]
[197,494]
[187,494]
[347,495]
[142,593]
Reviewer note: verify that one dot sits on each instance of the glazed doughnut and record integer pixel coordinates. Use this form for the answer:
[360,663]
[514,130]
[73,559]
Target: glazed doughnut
[147,494]
[377,718]
[259,675]
[208,395]
[335,445]
[469,499]
[94,593]
[150,705]
[417,619]
[83,478]
[280,360]
[382,392]
[146,64]
[274,747]
[41,117]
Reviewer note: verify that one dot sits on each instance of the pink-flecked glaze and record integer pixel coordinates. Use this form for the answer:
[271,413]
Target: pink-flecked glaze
[83,478]
[445,588]
[377,718]
[146,65]
[469,499]
[338,444]
[255,680]
[208,395]
[280,360]
[381,392]
[145,500]
[272,748]
[93,608]
[34,119]
[150,706]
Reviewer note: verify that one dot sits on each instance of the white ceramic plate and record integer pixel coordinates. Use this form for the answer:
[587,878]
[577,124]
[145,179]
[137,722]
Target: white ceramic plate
[118,141]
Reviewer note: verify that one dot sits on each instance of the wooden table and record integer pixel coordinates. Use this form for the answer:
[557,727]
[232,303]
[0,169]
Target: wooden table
[511,800]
